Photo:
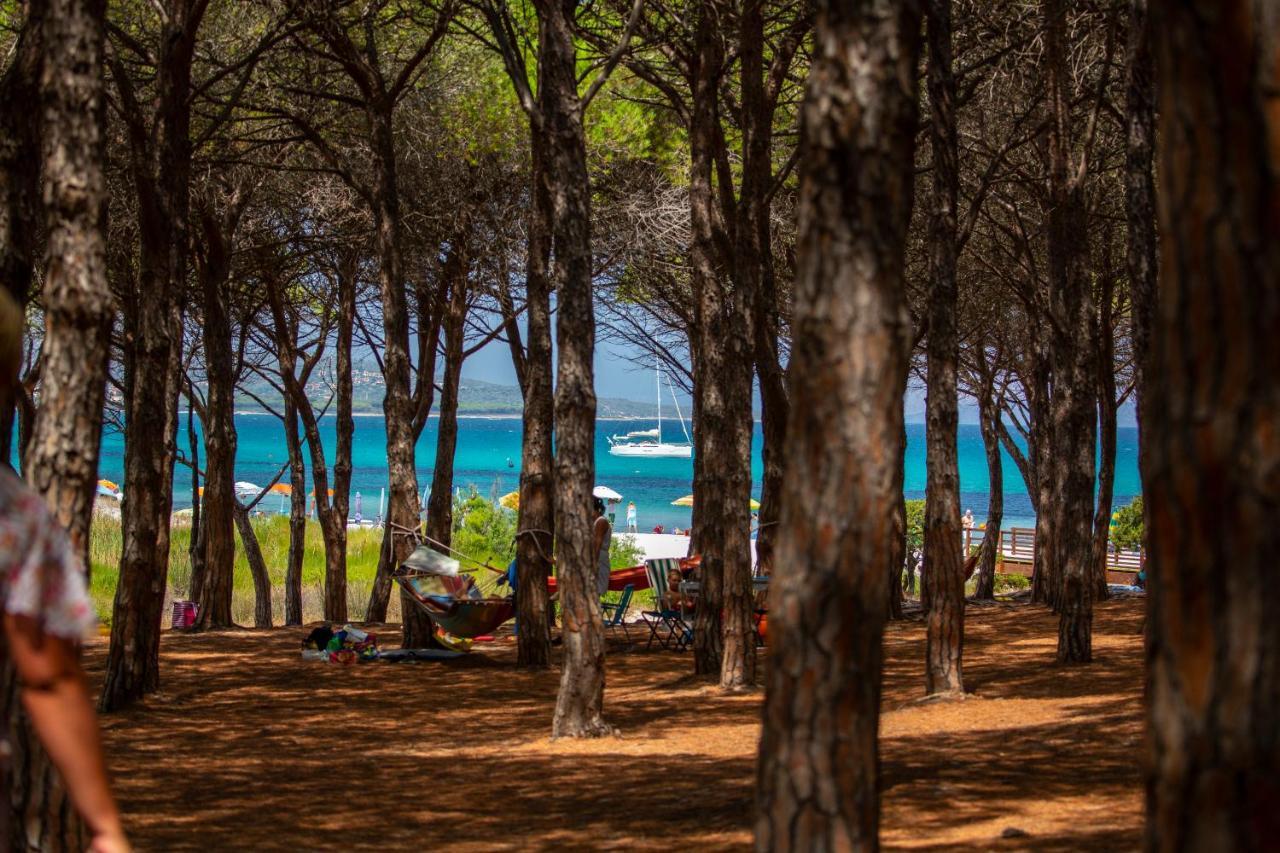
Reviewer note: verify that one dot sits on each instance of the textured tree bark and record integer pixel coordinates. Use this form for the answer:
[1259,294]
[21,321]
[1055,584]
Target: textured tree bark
[1073,409]
[711,425]
[988,412]
[753,294]
[213,265]
[1212,404]
[1107,408]
[534,540]
[1140,189]
[1041,468]
[195,549]
[397,405]
[817,785]
[257,566]
[19,182]
[297,516]
[160,152]
[440,504]
[61,462]
[335,552]
[774,411]
[580,702]
[898,550]
[1140,209]
[943,590]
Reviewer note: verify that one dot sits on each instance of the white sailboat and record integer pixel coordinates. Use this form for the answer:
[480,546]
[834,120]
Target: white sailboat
[648,442]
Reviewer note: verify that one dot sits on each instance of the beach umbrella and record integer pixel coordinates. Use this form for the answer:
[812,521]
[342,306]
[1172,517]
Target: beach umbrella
[246,489]
[605,493]
[282,489]
[687,500]
[108,485]
[511,500]
[105,492]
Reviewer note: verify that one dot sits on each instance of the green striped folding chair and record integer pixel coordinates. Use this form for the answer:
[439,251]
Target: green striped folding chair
[615,615]
[665,623]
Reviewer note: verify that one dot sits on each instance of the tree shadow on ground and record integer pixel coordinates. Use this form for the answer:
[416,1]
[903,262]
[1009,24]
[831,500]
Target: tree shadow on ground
[249,747]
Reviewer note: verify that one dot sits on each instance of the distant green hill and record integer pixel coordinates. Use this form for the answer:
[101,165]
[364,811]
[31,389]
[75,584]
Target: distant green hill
[475,397]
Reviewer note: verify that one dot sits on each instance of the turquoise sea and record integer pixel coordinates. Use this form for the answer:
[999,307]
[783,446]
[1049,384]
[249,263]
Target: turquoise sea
[488,458]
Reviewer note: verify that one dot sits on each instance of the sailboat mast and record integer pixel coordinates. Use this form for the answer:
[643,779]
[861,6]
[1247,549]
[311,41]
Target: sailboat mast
[657,386]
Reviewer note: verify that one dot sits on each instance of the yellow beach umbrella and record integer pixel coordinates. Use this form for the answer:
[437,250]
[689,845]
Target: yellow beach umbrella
[107,484]
[283,489]
[687,500]
[511,500]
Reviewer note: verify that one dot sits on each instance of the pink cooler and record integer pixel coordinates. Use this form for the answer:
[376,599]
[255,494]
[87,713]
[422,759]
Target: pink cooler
[184,614]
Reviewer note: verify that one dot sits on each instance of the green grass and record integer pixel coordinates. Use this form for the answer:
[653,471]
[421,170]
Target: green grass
[273,537]
[481,530]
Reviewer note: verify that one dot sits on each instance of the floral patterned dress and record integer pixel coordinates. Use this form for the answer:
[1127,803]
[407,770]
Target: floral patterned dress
[40,574]
[40,577]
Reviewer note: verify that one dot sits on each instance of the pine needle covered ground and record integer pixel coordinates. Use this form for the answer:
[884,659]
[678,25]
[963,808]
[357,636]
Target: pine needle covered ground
[248,747]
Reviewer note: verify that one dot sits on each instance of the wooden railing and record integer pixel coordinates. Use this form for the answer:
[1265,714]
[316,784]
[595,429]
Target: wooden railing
[1018,545]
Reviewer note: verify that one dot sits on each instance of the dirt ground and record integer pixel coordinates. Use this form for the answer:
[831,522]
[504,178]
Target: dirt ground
[247,747]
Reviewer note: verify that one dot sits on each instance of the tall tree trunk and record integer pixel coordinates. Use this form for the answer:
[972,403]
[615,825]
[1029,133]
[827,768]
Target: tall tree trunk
[1212,403]
[257,567]
[1041,467]
[988,412]
[330,504]
[1140,190]
[161,157]
[580,702]
[1107,406]
[1073,405]
[711,436]
[1140,206]
[19,182]
[62,460]
[335,547]
[536,523]
[297,516]
[195,548]
[899,557]
[774,411]
[751,267]
[440,504]
[214,270]
[397,405]
[817,785]
[943,591]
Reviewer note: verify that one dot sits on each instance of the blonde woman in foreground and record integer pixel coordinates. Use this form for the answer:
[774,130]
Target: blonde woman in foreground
[46,612]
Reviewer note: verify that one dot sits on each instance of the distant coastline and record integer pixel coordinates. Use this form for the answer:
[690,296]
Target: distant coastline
[471,416]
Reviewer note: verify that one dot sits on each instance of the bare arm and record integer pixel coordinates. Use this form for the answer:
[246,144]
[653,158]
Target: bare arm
[57,700]
[597,536]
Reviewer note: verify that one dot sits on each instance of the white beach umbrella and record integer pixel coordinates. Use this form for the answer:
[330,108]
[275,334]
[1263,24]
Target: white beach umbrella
[605,493]
[245,489]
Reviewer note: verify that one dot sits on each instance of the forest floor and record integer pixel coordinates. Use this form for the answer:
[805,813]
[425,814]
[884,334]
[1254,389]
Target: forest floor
[247,747]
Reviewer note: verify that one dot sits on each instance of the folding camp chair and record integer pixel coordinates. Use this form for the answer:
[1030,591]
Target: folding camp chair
[665,623]
[615,615]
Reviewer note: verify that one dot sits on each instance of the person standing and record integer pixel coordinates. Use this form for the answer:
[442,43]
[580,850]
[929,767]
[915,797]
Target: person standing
[631,518]
[602,537]
[46,612]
